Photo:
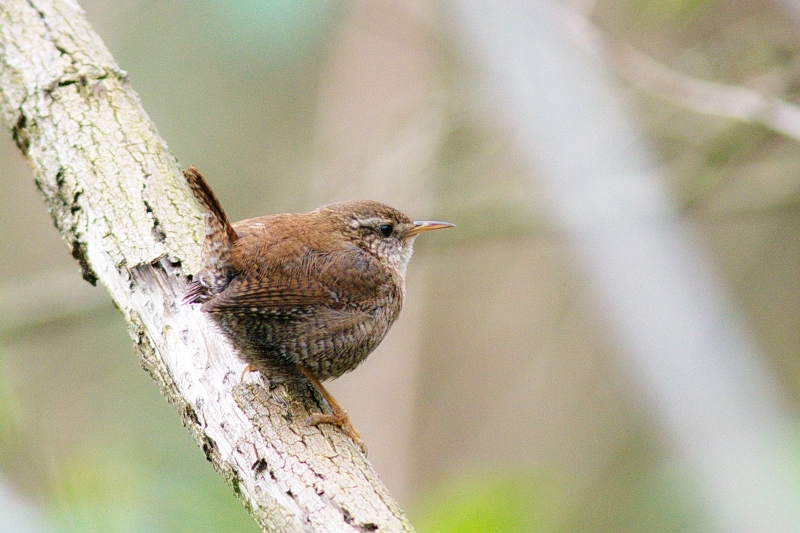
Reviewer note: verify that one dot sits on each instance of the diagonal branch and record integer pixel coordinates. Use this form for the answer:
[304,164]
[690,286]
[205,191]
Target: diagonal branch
[706,97]
[710,98]
[116,195]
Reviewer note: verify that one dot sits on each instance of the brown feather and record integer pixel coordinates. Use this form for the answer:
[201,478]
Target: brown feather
[203,193]
[317,289]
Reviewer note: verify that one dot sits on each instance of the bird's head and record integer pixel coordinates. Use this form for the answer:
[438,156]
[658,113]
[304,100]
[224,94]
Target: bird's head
[382,231]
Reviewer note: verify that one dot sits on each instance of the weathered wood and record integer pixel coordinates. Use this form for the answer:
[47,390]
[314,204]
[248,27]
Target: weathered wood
[116,194]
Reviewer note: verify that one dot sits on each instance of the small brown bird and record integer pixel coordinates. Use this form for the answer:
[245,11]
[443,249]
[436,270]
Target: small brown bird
[309,294]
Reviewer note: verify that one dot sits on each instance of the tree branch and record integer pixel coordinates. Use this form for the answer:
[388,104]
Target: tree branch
[118,198]
[706,97]
[710,98]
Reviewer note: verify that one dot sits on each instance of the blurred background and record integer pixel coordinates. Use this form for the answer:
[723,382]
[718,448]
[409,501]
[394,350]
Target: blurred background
[504,398]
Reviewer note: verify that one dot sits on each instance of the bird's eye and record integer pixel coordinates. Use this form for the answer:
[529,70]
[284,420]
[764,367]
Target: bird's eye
[386,229]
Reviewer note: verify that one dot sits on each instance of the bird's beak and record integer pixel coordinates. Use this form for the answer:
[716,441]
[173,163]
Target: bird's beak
[428,225]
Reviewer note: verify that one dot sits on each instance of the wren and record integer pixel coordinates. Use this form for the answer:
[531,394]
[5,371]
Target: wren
[305,294]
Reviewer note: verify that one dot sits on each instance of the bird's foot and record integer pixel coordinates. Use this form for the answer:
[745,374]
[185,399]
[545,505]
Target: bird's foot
[341,419]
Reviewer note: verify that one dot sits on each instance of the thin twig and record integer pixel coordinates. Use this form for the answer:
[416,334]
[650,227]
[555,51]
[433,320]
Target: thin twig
[706,97]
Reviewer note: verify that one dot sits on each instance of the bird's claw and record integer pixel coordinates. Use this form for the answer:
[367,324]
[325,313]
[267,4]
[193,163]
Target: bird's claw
[341,419]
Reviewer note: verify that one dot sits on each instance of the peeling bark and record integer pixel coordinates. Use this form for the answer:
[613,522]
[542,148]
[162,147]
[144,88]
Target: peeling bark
[117,196]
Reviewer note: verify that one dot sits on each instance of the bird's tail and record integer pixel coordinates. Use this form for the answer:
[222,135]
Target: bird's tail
[220,235]
[208,199]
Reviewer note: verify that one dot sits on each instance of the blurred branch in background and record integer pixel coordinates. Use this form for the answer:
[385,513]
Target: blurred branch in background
[739,103]
[701,96]
[692,357]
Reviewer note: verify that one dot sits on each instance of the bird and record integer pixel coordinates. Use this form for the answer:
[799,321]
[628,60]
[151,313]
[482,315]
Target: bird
[305,294]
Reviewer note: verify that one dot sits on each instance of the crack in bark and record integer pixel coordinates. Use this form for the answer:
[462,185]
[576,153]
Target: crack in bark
[20,133]
[157,232]
[40,13]
[64,208]
[260,465]
[79,253]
